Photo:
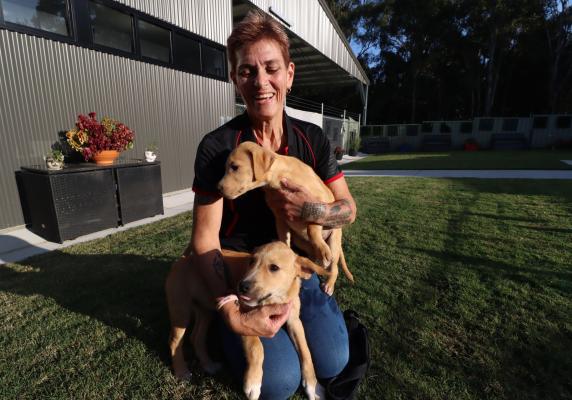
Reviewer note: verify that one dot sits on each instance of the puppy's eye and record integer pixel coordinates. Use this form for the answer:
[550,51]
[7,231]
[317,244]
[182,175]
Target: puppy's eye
[274,267]
[233,167]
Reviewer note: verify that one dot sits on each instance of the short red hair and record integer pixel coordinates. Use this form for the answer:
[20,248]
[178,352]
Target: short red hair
[254,27]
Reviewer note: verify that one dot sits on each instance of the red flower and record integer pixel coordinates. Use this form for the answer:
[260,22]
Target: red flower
[108,134]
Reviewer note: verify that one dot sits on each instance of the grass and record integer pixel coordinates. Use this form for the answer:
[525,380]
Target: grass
[528,159]
[465,286]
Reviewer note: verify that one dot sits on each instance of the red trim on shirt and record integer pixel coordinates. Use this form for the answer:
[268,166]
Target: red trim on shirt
[238,135]
[334,178]
[299,132]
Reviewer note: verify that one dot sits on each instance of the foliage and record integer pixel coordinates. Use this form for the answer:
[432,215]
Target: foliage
[441,59]
[152,147]
[354,142]
[463,284]
[91,136]
[55,155]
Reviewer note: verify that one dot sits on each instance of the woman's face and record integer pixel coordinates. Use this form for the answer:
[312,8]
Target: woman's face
[262,78]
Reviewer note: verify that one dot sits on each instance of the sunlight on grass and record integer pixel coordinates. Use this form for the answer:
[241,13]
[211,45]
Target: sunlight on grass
[465,286]
[485,160]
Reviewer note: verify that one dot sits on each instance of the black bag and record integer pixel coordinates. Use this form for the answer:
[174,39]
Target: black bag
[344,386]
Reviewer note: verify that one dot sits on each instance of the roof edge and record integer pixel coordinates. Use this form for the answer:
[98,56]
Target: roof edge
[343,37]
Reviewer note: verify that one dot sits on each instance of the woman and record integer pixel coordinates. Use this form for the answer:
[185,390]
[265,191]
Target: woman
[263,74]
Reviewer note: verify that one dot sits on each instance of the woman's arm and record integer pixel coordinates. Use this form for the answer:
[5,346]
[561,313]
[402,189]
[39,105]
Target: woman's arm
[297,202]
[206,255]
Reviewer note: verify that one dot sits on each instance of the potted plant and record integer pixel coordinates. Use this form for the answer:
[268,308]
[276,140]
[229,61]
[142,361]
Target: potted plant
[151,152]
[339,152]
[102,140]
[354,144]
[470,145]
[54,159]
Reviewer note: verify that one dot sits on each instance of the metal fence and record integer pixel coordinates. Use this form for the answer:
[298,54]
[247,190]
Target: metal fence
[536,131]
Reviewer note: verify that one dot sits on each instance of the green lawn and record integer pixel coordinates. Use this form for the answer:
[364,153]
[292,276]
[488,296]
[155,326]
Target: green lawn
[531,159]
[465,285]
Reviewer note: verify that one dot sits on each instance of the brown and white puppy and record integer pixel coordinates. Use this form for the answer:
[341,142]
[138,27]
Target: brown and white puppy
[250,166]
[271,275]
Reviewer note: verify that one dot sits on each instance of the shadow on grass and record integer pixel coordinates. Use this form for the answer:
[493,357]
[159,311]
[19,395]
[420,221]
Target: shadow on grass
[122,291]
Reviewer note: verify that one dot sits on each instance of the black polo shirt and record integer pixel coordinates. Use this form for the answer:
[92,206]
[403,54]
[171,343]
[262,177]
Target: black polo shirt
[247,221]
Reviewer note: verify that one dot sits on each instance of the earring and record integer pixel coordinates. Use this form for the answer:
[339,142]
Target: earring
[288,90]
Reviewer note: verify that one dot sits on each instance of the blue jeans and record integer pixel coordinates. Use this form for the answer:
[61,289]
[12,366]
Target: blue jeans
[327,338]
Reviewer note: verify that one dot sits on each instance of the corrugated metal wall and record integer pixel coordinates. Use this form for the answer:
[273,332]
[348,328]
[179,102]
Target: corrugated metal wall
[209,18]
[44,85]
[311,23]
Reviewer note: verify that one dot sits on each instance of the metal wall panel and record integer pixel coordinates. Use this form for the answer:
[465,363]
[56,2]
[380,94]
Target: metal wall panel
[209,18]
[311,22]
[44,85]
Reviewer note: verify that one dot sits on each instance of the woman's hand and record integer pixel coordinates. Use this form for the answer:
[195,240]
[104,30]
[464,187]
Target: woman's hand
[262,321]
[294,202]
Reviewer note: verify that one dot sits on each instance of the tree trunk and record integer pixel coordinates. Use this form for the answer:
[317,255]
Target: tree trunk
[414,98]
[491,67]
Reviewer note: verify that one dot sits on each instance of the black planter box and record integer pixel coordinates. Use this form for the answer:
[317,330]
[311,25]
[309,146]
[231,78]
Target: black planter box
[85,198]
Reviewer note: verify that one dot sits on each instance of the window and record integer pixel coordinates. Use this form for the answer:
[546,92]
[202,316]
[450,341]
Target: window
[113,27]
[426,127]
[444,128]
[563,122]
[486,124]
[213,61]
[110,28]
[466,127]
[509,124]
[154,41]
[46,15]
[187,53]
[412,130]
[540,122]
[392,130]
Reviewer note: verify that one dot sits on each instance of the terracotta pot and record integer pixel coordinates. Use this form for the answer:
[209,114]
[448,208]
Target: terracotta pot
[105,157]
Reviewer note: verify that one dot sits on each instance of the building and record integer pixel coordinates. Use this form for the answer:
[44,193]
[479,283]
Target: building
[157,65]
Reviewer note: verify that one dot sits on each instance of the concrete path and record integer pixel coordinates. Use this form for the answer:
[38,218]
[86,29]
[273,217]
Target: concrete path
[480,174]
[18,244]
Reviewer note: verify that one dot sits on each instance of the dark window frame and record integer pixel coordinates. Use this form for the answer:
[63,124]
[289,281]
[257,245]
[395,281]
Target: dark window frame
[81,36]
[187,35]
[28,30]
[563,122]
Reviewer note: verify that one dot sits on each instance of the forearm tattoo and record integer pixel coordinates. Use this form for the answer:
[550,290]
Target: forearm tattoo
[313,212]
[340,214]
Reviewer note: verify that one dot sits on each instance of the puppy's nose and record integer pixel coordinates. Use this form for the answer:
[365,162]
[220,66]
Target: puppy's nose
[244,287]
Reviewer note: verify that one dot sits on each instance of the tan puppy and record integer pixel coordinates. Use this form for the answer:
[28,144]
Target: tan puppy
[250,166]
[271,275]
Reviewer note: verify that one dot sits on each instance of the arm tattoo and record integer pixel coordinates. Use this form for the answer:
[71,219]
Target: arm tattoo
[312,211]
[339,215]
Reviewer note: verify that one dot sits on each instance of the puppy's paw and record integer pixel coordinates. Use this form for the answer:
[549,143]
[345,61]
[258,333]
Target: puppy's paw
[252,391]
[212,367]
[323,255]
[314,392]
[182,374]
[327,288]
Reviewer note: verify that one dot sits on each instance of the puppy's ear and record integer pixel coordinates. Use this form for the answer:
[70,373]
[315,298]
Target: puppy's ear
[262,160]
[306,267]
